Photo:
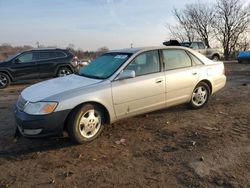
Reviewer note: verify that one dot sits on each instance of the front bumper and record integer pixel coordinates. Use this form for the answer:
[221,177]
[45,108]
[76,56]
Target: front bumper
[41,125]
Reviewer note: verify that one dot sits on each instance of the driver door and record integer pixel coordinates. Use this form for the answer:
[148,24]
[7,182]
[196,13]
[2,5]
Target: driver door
[25,66]
[145,92]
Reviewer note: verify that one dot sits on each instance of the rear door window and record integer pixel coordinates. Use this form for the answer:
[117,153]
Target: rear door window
[194,45]
[60,54]
[176,59]
[53,55]
[44,55]
[201,45]
[195,60]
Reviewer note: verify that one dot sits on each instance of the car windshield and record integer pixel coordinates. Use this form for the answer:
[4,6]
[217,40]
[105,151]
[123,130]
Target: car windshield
[104,66]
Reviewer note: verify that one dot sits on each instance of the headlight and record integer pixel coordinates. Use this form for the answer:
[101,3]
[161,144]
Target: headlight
[40,108]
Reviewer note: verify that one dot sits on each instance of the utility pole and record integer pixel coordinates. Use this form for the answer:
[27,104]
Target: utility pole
[37,43]
[131,45]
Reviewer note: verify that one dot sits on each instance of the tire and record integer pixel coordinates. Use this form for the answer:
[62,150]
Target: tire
[215,57]
[200,96]
[85,123]
[63,71]
[4,80]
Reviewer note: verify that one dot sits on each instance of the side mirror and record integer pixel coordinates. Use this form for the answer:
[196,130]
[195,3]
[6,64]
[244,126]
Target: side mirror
[125,74]
[17,60]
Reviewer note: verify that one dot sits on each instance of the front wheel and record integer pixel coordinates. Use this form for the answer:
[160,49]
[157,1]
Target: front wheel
[4,80]
[200,96]
[85,123]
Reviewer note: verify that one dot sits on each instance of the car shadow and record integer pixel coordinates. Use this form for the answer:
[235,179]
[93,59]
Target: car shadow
[21,146]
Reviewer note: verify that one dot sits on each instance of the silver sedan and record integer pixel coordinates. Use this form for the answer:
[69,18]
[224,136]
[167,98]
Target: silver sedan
[118,84]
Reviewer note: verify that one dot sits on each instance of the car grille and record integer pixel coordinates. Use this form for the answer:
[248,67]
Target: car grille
[21,103]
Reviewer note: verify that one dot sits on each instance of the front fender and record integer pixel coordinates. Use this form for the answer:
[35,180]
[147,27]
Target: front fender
[98,93]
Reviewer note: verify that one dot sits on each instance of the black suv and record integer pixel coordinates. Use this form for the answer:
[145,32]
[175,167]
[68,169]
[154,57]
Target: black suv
[36,64]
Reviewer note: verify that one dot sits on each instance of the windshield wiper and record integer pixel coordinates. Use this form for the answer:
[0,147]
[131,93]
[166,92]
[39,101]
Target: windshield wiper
[91,76]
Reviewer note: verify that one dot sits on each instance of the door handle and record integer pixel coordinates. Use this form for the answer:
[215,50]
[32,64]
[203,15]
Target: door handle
[158,81]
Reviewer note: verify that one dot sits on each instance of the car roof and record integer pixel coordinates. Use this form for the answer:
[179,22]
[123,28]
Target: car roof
[44,49]
[135,51]
[141,49]
[40,49]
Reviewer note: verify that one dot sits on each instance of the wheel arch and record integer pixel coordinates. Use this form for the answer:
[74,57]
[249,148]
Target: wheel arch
[64,65]
[8,74]
[105,110]
[208,83]
[216,54]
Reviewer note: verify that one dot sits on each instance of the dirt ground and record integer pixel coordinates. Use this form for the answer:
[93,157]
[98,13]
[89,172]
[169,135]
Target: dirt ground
[175,147]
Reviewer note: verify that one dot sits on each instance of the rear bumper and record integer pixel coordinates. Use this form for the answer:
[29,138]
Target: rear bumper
[219,83]
[41,125]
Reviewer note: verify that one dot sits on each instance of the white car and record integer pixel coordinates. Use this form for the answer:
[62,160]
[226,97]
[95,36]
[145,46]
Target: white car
[118,84]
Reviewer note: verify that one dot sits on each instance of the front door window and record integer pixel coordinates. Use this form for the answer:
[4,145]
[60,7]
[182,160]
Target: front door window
[25,58]
[145,63]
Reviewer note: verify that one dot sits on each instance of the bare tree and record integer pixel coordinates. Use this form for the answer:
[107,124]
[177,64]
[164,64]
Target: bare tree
[101,51]
[232,20]
[243,43]
[71,46]
[180,32]
[197,18]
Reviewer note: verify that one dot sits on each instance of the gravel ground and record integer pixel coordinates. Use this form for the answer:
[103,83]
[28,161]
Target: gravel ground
[175,147]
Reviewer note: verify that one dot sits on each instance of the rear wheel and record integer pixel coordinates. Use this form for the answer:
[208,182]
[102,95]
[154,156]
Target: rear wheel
[4,80]
[63,71]
[216,57]
[200,96]
[85,123]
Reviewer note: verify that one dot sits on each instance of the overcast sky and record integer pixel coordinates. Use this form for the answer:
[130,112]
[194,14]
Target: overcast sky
[88,24]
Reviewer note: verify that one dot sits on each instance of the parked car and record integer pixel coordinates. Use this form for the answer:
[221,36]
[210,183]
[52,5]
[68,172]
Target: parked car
[244,56]
[118,84]
[211,53]
[83,63]
[37,63]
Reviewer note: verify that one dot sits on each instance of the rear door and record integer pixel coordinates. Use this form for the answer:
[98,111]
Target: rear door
[47,62]
[181,77]
[25,66]
[145,92]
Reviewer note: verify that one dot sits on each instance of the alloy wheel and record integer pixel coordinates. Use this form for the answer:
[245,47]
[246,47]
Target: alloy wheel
[90,123]
[200,96]
[3,80]
[64,72]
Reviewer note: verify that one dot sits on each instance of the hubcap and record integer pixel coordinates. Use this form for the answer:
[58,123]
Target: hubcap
[90,123]
[215,58]
[3,80]
[64,72]
[200,95]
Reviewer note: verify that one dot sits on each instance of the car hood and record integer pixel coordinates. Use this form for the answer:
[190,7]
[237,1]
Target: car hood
[2,63]
[45,89]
